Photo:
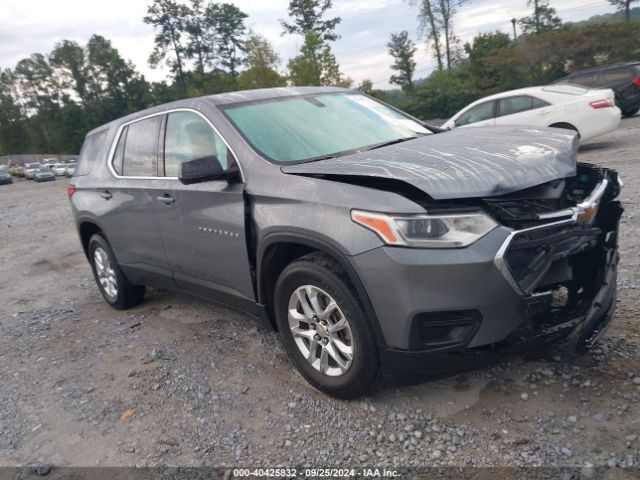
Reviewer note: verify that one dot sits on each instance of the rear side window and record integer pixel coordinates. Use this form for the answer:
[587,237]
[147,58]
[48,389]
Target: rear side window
[482,111]
[93,149]
[139,148]
[188,137]
[618,75]
[522,103]
[586,80]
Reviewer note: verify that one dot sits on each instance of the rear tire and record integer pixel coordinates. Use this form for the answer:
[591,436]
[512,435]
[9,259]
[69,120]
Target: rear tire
[113,285]
[630,113]
[324,329]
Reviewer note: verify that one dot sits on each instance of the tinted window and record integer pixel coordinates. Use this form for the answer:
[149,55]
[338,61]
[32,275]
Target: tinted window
[483,111]
[189,136]
[140,148]
[587,80]
[92,150]
[119,153]
[522,103]
[618,75]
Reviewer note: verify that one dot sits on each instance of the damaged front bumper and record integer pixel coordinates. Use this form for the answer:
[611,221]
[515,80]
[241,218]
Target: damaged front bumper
[561,275]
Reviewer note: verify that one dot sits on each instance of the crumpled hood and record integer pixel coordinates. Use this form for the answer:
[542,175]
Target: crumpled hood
[463,163]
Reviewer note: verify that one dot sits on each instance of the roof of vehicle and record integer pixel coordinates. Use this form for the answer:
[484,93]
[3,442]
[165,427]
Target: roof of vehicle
[600,68]
[227,98]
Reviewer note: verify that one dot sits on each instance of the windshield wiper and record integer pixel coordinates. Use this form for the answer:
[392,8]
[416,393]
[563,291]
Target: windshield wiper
[386,144]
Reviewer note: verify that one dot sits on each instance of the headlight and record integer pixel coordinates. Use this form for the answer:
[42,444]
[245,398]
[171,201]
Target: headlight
[432,231]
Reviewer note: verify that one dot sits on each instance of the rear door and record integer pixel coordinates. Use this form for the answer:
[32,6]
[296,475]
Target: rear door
[129,203]
[523,110]
[203,224]
[480,115]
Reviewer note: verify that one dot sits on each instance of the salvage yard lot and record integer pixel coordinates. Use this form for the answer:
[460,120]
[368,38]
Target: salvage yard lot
[177,381]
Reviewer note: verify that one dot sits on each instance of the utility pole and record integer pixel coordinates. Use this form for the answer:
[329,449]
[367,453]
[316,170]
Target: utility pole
[515,35]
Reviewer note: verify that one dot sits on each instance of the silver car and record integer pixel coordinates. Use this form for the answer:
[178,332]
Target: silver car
[43,174]
[30,170]
[374,243]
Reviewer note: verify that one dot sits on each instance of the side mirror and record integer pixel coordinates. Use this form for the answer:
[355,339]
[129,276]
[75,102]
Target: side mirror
[204,169]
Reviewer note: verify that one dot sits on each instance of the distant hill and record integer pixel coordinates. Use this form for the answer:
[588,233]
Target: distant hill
[609,17]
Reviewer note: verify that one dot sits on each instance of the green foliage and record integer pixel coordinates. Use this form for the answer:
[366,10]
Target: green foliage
[307,16]
[169,18]
[624,6]
[261,61]
[495,64]
[543,18]
[316,64]
[227,21]
[402,49]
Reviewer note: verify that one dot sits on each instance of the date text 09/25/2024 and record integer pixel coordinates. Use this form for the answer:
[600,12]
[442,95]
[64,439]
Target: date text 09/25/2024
[316,472]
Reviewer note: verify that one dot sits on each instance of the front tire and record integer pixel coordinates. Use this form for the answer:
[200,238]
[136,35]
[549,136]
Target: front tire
[113,285]
[324,329]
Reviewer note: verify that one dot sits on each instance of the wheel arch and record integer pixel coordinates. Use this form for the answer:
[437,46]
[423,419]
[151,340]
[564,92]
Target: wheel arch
[566,125]
[280,249]
[86,229]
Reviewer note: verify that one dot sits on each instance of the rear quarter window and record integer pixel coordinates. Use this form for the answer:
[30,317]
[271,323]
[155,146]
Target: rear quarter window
[92,151]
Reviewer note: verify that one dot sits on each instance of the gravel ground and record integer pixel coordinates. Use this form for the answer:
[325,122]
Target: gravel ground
[179,382]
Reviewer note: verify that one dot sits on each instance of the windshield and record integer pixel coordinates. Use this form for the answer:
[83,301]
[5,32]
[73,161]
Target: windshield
[311,127]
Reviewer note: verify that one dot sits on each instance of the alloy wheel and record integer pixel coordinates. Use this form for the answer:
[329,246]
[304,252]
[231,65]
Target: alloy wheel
[320,330]
[106,275]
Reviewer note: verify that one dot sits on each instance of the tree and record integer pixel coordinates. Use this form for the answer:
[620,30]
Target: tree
[402,49]
[543,19]
[14,131]
[485,65]
[366,86]
[199,41]
[227,21]
[169,19]
[624,5]
[307,16]
[69,58]
[430,28]
[316,64]
[446,10]
[261,61]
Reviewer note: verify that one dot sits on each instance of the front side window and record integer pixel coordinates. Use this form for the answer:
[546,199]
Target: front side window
[188,137]
[482,111]
[311,127]
[138,145]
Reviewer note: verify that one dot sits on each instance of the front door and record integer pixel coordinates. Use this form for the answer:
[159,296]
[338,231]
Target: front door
[203,224]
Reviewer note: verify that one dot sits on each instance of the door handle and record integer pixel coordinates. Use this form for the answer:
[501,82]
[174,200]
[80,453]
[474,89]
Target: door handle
[166,199]
[106,194]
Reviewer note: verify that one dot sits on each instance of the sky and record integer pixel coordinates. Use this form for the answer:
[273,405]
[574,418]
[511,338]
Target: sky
[30,26]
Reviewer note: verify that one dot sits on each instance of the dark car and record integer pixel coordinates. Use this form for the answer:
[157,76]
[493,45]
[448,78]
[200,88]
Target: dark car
[371,243]
[623,79]
[5,176]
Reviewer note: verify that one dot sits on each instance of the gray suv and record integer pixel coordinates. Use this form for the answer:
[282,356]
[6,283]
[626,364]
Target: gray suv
[375,244]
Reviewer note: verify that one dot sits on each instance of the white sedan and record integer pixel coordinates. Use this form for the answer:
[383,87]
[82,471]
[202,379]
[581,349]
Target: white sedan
[588,112]
[59,169]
